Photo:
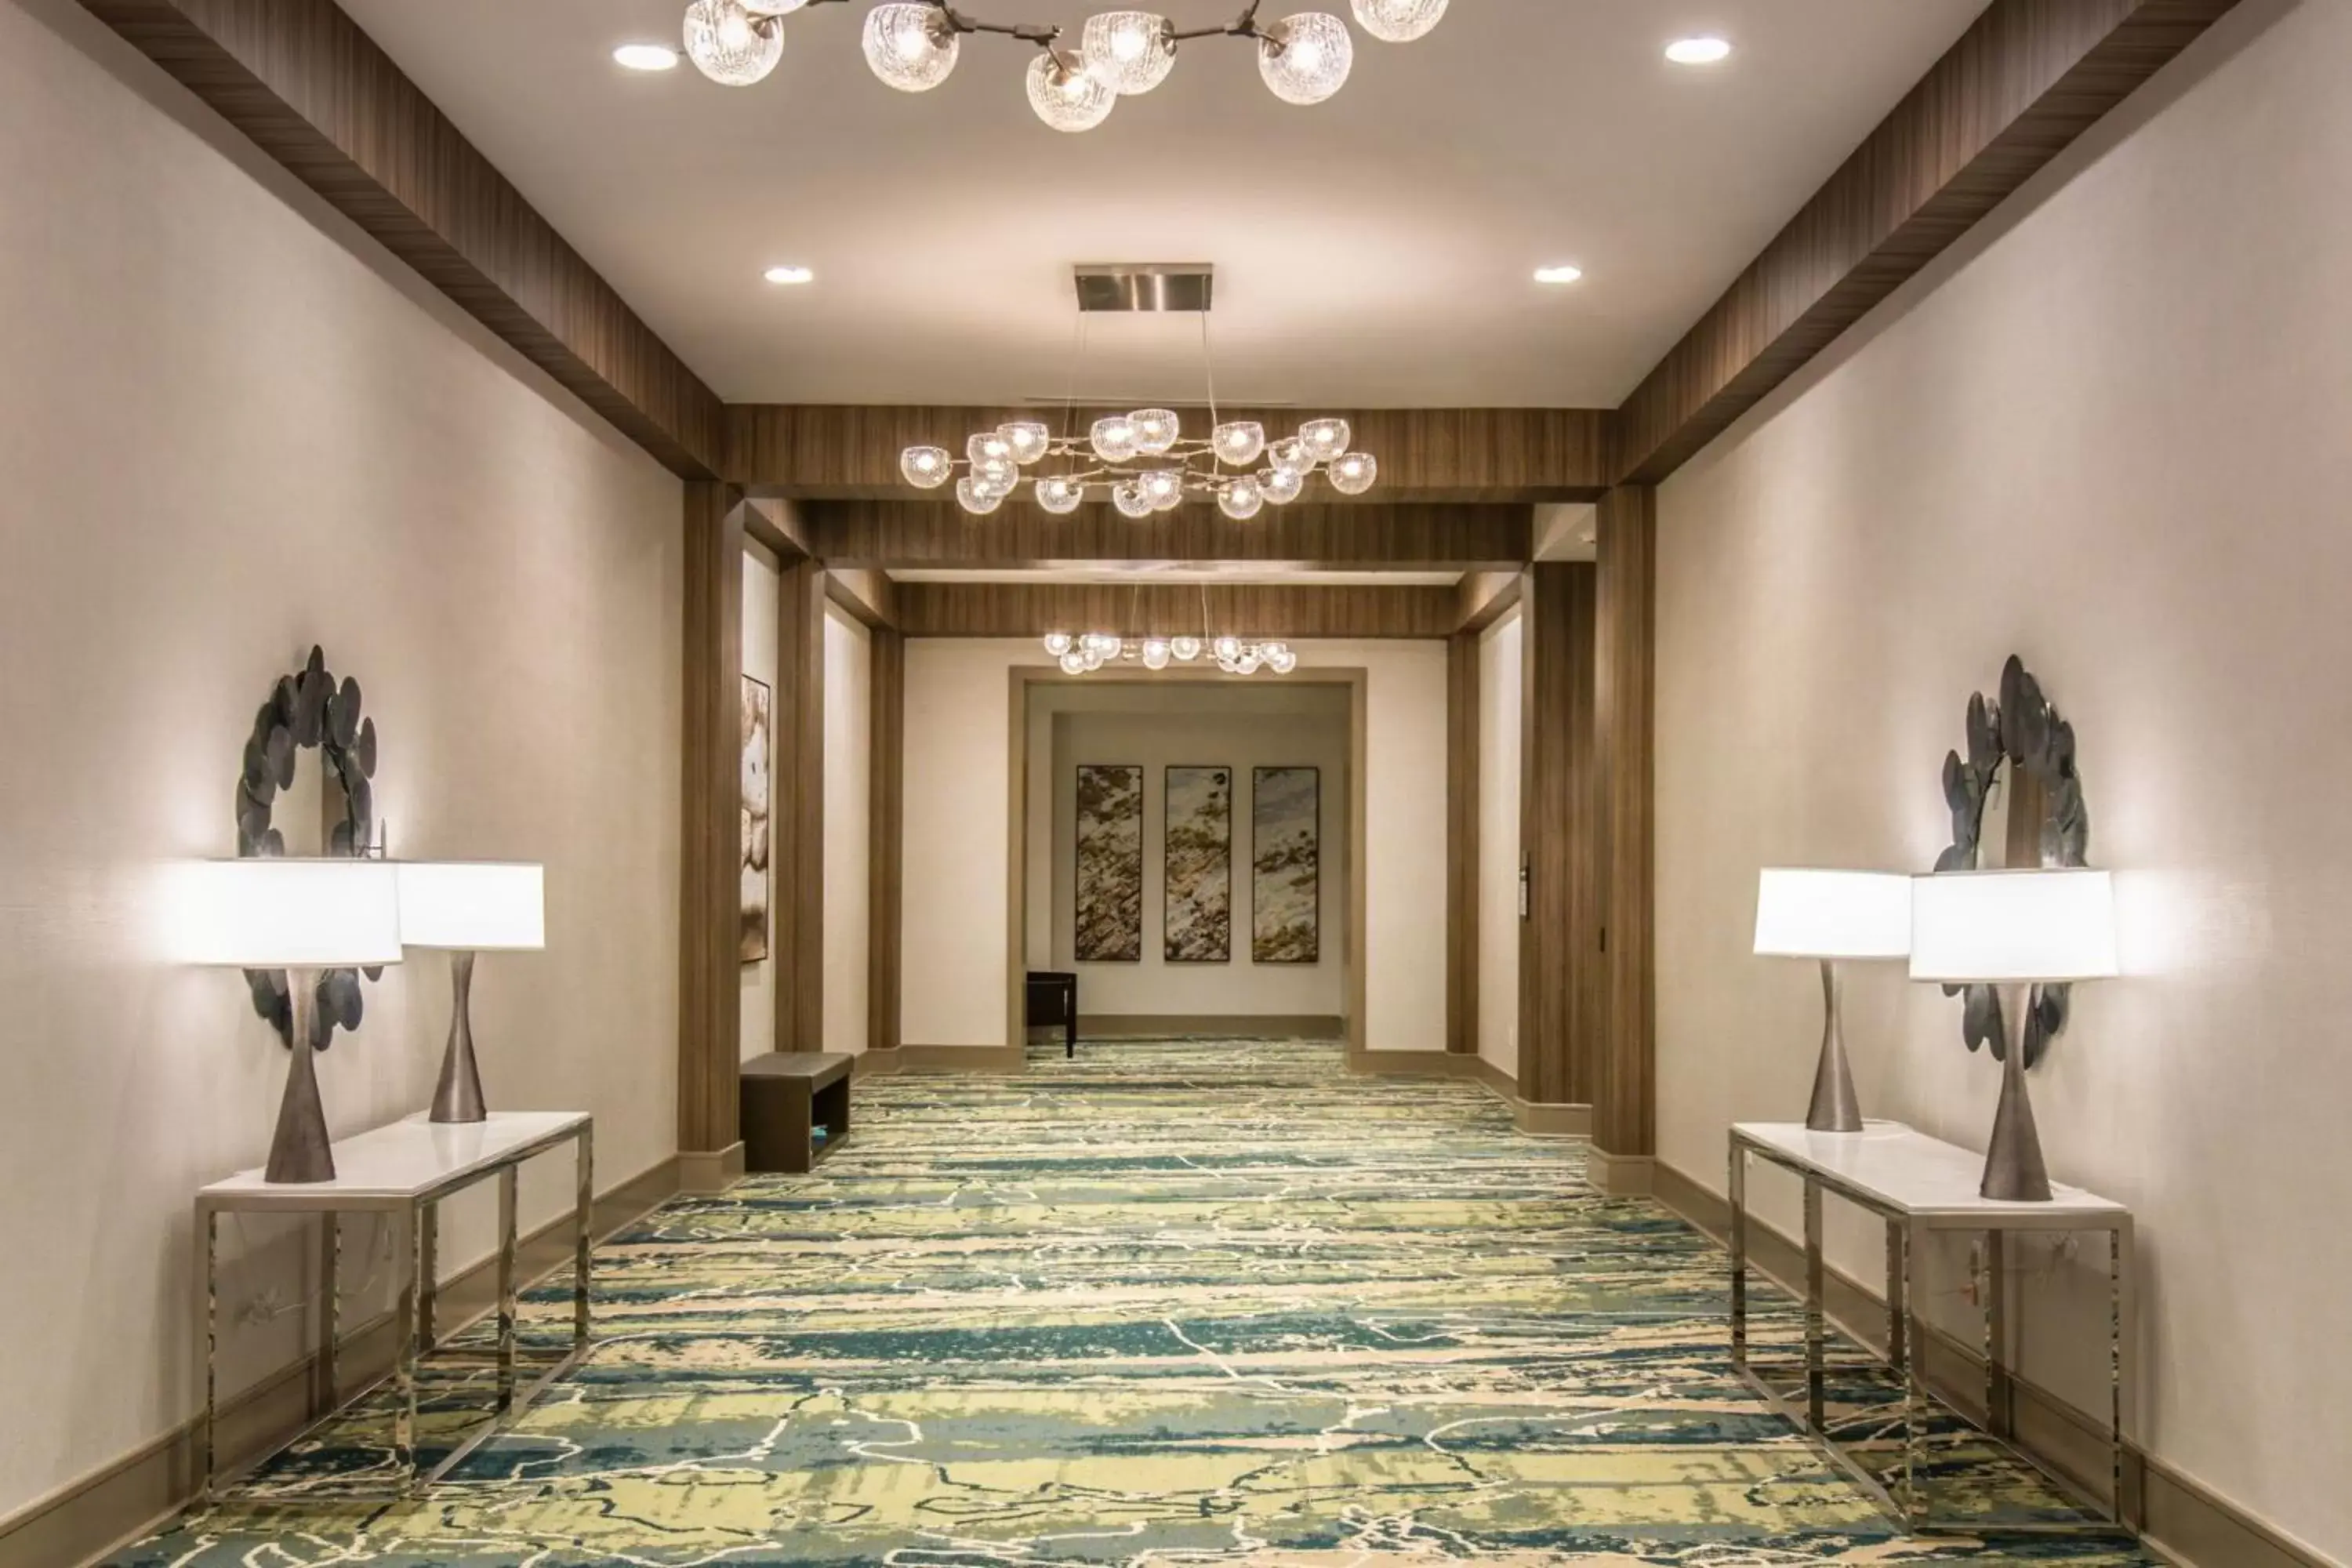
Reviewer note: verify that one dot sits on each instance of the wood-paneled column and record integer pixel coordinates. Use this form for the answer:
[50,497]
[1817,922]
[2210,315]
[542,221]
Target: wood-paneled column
[1560,990]
[709,1001]
[886,842]
[1462,844]
[1624,1123]
[797,780]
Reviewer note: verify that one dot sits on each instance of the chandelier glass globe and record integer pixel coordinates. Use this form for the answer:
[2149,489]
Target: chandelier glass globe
[988,446]
[773,7]
[1059,643]
[1281,485]
[1164,488]
[997,473]
[1155,653]
[976,496]
[1025,440]
[1060,494]
[1114,438]
[1065,95]
[1280,659]
[1156,429]
[1399,21]
[1325,440]
[1239,442]
[1354,472]
[1240,498]
[1305,58]
[927,468]
[727,44]
[1290,455]
[1073,663]
[1226,649]
[1128,496]
[910,46]
[1129,52]
[1185,650]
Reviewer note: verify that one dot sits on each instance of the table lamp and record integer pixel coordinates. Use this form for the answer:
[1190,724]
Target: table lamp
[2014,931]
[466,908]
[1833,916]
[301,916]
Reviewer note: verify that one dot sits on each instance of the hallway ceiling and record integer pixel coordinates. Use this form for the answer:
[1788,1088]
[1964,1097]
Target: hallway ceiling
[1375,251]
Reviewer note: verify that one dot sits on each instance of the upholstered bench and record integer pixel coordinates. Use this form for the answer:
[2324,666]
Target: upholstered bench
[787,1095]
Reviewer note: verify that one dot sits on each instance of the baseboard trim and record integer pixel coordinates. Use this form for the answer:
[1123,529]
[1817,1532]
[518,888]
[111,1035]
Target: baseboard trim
[878,1063]
[1226,1026]
[1542,1121]
[2186,1520]
[1620,1175]
[1504,1087]
[89,1520]
[995,1059]
[710,1171]
[1409,1064]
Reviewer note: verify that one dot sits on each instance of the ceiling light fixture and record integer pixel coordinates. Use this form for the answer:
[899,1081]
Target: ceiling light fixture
[1698,51]
[646,57]
[1084,653]
[788,275]
[1560,274]
[913,46]
[1143,460]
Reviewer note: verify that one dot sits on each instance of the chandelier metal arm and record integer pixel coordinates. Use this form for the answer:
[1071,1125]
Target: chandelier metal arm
[1242,27]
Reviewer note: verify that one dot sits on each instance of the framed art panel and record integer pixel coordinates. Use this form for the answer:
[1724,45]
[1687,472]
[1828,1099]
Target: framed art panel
[751,937]
[1109,904]
[1198,853]
[1285,865]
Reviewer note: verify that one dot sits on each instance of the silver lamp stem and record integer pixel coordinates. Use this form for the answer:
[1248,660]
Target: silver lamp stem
[459,1096]
[1836,1107]
[301,1151]
[2013,1169]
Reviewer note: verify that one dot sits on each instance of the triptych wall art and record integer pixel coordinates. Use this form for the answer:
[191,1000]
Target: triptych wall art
[1285,870]
[751,939]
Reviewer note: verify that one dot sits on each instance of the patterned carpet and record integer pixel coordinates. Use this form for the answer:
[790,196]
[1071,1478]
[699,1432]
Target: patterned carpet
[1188,1302]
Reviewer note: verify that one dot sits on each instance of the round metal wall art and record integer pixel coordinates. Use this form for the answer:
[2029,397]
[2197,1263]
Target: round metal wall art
[2023,730]
[309,710]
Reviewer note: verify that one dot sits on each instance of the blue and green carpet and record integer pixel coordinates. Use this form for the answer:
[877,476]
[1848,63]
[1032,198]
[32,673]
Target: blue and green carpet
[1186,1302]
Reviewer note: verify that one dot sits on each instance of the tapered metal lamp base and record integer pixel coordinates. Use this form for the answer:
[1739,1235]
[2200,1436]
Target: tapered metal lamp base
[2014,1171]
[1835,1108]
[458,1097]
[300,1151]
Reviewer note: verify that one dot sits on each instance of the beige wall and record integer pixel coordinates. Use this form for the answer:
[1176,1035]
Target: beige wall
[230,429]
[762,588]
[848,813]
[958,801]
[1500,680]
[2110,436]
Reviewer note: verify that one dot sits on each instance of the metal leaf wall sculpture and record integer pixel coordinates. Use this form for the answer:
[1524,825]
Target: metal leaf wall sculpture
[2023,730]
[306,711]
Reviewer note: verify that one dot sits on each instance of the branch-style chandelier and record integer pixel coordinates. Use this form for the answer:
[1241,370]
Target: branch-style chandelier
[1144,459]
[1083,653]
[913,45]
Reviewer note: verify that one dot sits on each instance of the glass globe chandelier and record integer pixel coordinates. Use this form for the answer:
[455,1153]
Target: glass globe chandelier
[1084,653]
[913,46]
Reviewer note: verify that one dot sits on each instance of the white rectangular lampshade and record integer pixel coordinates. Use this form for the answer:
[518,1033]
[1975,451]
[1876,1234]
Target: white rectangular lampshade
[1832,914]
[472,905]
[286,913]
[1991,928]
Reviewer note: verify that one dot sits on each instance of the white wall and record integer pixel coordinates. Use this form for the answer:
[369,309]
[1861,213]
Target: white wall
[849,815]
[229,428]
[958,802]
[762,586]
[2110,435]
[1240,727]
[1500,679]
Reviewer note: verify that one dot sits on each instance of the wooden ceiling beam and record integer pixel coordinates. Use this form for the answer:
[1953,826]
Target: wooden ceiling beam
[1297,611]
[312,90]
[898,535]
[2026,80]
[1485,455]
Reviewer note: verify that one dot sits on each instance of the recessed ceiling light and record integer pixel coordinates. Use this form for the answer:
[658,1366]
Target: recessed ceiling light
[646,57]
[788,275]
[1698,51]
[1560,274]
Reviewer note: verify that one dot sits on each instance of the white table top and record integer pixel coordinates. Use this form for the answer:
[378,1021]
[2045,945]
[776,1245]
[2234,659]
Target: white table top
[399,1164]
[1922,1177]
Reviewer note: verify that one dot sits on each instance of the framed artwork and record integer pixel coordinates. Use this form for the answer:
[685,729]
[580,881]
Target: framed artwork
[1285,865]
[757,718]
[1109,913]
[1198,851]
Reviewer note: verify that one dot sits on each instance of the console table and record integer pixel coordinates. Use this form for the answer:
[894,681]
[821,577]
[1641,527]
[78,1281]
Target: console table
[1919,1185]
[403,1171]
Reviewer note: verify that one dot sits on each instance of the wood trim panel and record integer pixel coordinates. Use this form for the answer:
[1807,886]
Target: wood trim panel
[891,535]
[1560,989]
[796,781]
[312,90]
[1482,598]
[709,995]
[2024,81]
[1300,611]
[777,524]
[885,846]
[845,452]
[1462,843]
[870,598]
[1625,1091]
